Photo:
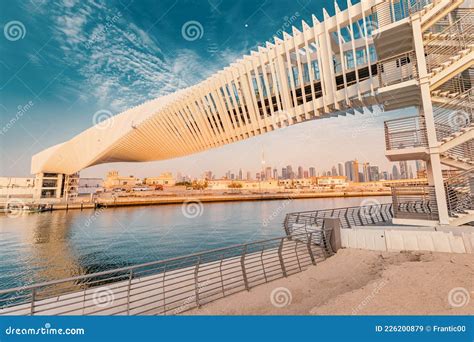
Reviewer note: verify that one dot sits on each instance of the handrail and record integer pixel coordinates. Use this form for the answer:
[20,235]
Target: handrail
[179,280]
[305,221]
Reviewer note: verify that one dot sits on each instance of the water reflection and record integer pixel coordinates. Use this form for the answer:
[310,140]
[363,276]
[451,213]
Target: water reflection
[47,246]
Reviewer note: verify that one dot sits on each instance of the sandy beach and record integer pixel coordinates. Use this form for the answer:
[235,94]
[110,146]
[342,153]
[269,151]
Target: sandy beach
[360,282]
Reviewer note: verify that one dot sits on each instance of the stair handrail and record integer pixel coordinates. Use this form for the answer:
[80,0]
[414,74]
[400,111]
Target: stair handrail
[449,27]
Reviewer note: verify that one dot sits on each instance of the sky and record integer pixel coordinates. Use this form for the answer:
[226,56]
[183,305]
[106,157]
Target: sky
[62,61]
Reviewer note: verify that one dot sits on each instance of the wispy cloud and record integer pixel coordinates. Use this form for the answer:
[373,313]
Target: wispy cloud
[121,64]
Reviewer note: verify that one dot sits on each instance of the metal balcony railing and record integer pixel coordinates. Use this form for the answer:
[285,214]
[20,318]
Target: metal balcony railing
[308,221]
[414,202]
[171,286]
[460,192]
[397,69]
[405,132]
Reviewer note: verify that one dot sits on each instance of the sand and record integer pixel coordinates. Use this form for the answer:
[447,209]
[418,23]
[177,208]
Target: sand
[361,282]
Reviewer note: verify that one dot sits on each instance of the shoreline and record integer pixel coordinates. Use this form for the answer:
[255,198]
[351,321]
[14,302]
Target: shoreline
[165,200]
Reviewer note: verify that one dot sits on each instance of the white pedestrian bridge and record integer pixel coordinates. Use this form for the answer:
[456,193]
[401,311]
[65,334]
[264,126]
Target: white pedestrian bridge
[389,53]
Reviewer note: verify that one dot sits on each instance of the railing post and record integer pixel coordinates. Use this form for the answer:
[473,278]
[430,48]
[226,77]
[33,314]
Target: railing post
[310,251]
[280,256]
[130,276]
[242,264]
[196,282]
[33,297]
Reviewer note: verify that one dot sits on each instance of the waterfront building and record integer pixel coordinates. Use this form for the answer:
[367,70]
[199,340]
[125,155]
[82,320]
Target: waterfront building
[332,181]
[113,180]
[165,179]
[88,186]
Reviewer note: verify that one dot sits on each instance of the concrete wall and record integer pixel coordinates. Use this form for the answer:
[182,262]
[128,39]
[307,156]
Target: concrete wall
[449,240]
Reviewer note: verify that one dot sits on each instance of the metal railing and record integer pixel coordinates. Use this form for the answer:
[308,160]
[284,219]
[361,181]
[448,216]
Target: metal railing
[460,192]
[442,47]
[397,69]
[392,11]
[308,221]
[454,115]
[171,286]
[414,202]
[405,132]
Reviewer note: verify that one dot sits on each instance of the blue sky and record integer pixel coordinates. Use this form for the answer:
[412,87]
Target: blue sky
[73,58]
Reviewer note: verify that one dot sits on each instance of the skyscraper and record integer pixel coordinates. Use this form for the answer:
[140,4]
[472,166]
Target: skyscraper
[284,174]
[240,174]
[333,171]
[349,169]
[374,174]
[312,172]
[289,172]
[268,172]
[404,169]
[365,172]
[275,173]
[340,169]
[300,172]
[395,173]
[352,170]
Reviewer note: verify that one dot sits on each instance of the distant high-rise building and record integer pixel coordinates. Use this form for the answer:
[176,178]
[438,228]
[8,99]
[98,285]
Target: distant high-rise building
[284,174]
[395,173]
[340,169]
[352,170]
[289,172]
[275,173]
[361,177]
[300,172]
[268,172]
[365,172]
[208,175]
[249,175]
[384,175]
[374,174]
[349,173]
[420,165]
[305,174]
[312,172]
[232,176]
[404,169]
[240,175]
[410,172]
[333,171]
[258,175]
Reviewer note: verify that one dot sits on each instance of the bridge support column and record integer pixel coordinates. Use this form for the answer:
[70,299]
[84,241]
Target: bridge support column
[434,171]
